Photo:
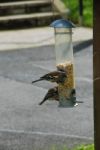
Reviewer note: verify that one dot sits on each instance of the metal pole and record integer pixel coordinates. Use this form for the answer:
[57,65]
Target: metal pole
[96,74]
[81,12]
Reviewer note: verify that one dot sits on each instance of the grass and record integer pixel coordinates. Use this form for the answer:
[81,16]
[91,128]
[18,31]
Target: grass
[82,147]
[73,5]
[88,147]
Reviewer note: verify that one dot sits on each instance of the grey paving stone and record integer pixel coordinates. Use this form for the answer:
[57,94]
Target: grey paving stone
[22,119]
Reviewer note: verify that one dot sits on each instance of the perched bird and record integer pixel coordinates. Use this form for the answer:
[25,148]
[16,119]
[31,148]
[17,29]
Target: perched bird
[52,94]
[55,76]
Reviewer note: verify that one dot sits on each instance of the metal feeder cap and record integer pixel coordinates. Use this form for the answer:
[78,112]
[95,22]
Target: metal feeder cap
[61,23]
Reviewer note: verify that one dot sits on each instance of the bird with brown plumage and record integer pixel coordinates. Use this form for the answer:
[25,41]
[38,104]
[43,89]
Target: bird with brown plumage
[55,76]
[52,94]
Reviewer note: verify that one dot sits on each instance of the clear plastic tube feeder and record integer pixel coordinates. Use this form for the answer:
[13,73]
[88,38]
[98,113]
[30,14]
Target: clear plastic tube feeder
[64,61]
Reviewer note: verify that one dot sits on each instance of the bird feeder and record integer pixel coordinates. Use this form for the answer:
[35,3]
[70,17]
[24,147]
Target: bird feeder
[64,61]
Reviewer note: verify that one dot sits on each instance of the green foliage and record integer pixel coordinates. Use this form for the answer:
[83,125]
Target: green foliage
[82,147]
[73,5]
[88,147]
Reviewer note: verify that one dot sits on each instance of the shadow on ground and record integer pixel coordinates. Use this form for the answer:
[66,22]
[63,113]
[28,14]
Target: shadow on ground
[82,45]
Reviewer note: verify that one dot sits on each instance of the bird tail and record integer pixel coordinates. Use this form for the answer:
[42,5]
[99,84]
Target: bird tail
[36,80]
[42,101]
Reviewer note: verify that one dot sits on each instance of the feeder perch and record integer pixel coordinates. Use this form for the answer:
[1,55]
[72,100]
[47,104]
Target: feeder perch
[64,61]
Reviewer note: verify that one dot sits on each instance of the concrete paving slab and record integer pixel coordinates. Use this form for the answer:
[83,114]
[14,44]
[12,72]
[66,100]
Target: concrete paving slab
[38,141]
[22,119]
[20,114]
[16,39]
[20,111]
